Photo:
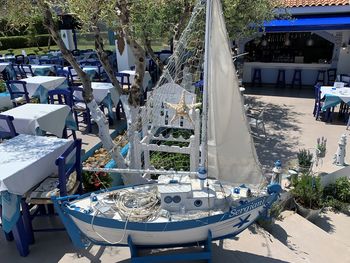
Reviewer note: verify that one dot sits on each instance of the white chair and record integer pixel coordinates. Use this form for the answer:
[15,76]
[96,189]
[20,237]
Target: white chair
[257,122]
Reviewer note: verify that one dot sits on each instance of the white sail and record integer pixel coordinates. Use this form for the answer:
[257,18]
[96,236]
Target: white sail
[231,152]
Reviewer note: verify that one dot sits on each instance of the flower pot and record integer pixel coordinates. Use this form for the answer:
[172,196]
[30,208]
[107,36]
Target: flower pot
[308,213]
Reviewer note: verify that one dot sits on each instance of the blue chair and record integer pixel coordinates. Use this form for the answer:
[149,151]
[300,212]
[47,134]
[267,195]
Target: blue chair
[321,77]
[343,77]
[44,61]
[80,108]
[124,80]
[297,78]
[20,59]
[27,70]
[11,131]
[281,79]
[73,76]
[63,73]
[67,181]
[331,76]
[62,97]
[256,77]
[18,96]
[318,103]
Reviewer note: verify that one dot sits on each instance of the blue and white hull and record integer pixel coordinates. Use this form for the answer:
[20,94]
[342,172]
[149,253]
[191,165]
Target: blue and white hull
[83,227]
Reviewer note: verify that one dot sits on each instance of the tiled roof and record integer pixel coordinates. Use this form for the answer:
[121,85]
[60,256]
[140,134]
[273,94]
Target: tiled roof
[303,3]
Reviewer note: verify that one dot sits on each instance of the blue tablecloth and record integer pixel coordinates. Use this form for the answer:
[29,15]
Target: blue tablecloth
[10,210]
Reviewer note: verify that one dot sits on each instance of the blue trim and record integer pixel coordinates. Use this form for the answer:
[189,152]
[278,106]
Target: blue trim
[79,239]
[167,226]
[308,24]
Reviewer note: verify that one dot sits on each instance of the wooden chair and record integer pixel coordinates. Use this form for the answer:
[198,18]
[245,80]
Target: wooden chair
[10,132]
[80,109]
[18,96]
[67,181]
[124,80]
[62,97]
[27,71]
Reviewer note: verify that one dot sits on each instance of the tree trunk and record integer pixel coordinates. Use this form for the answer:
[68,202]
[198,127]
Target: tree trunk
[149,50]
[96,113]
[104,60]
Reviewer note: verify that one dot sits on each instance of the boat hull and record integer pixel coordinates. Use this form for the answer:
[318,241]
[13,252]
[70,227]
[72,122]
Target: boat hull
[106,231]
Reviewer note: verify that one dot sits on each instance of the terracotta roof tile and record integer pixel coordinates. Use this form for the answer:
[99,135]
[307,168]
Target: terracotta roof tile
[303,3]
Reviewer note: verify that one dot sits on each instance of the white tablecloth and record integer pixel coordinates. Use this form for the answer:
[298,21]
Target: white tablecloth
[47,117]
[42,70]
[48,83]
[26,160]
[342,93]
[3,66]
[100,91]
[146,79]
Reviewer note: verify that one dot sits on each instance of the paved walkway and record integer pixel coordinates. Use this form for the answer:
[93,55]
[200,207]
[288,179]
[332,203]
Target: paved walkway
[290,126]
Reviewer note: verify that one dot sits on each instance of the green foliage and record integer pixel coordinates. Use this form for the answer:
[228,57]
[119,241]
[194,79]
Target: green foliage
[240,15]
[96,181]
[305,158]
[2,86]
[23,41]
[340,190]
[307,191]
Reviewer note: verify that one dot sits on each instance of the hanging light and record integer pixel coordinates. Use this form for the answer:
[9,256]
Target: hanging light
[344,46]
[310,42]
[287,40]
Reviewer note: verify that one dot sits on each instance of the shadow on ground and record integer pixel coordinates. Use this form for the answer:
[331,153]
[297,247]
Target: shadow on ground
[282,132]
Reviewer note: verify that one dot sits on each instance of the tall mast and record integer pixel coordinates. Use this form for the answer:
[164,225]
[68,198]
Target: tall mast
[204,145]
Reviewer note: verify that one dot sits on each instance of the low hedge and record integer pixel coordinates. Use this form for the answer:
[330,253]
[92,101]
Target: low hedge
[15,42]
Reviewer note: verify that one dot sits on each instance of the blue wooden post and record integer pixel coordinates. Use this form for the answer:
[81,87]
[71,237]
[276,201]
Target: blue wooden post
[27,221]
[205,254]
[21,238]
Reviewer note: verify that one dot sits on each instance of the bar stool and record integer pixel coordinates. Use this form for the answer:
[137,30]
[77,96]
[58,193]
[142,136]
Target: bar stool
[297,78]
[331,76]
[256,76]
[321,77]
[281,78]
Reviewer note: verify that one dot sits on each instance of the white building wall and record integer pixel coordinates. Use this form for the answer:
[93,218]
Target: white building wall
[344,56]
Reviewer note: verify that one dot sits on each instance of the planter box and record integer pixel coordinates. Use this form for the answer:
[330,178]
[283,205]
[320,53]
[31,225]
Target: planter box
[5,101]
[116,177]
[309,214]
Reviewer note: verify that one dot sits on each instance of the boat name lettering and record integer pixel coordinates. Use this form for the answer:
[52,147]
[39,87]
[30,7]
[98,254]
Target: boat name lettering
[253,205]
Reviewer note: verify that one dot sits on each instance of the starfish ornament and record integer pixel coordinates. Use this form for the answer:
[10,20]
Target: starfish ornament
[181,108]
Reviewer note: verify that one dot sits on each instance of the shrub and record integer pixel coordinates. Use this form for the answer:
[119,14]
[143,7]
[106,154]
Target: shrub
[16,42]
[95,181]
[304,158]
[337,195]
[2,86]
[307,191]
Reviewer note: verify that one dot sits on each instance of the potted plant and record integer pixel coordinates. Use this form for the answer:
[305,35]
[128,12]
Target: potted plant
[307,193]
[321,147]
[304,160]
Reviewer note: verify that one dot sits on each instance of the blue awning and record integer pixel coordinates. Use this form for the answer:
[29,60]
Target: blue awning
[308,24]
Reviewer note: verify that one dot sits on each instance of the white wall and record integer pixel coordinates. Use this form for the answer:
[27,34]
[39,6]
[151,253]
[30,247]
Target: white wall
[126,59]
[344,56]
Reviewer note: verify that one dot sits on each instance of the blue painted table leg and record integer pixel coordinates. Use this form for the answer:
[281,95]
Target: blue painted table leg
[27,222]
[21,240]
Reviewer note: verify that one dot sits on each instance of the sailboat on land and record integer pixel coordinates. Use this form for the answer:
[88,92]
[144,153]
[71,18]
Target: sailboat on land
[220,195]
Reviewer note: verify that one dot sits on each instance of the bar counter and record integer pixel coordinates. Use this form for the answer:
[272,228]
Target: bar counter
[269,71]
